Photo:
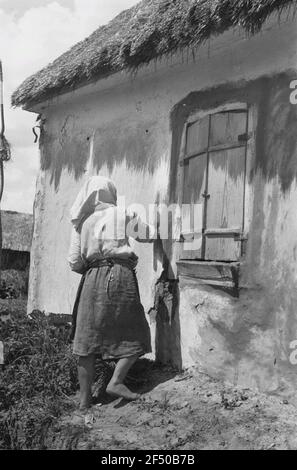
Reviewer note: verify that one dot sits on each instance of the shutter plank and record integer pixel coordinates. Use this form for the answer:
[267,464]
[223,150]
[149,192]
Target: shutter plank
[225,205]
[192,213]
[197,136]
[227,127]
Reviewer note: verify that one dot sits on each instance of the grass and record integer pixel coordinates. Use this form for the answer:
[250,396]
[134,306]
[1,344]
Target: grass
[38,378]
[13,284]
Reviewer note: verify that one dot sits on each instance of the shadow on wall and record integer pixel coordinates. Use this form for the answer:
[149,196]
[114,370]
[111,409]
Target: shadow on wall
[138,144]
[165,313]
[69,149]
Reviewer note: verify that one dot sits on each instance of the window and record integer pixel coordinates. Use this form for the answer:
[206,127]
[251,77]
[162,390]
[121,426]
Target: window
[214,165]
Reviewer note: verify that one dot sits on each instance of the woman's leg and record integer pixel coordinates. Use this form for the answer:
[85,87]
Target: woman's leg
[116,385]
[86,369]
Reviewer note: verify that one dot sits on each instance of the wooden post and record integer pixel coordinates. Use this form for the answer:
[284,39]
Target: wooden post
[4,151]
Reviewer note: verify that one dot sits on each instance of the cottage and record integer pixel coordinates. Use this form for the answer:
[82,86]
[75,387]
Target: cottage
[184,102]
[17,231]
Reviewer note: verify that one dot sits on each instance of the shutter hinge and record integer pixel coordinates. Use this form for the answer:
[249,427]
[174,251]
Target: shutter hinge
[240,237]
[244,137]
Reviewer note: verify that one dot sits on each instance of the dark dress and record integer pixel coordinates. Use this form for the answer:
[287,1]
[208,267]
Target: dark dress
[109,319]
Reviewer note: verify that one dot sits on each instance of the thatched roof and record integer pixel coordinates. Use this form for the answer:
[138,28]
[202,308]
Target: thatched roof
[147,31]
[17,231]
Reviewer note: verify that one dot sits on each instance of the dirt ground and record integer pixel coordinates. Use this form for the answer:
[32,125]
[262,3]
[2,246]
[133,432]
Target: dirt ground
[177,411]
[188,411]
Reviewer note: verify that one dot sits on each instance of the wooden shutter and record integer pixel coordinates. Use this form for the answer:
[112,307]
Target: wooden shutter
[226,182]
[195,169]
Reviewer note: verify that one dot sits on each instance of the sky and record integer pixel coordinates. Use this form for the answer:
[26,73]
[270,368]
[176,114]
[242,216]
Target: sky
[32,34]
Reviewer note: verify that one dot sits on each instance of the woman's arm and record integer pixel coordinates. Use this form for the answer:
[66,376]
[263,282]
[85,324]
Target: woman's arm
[75,260]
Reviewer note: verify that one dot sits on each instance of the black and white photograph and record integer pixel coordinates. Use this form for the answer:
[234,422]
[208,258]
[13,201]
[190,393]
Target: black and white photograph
[148,229]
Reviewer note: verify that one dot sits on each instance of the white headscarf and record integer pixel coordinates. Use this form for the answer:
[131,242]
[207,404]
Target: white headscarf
[97,191]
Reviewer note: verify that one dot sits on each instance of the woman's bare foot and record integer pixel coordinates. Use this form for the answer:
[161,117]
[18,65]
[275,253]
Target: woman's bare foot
[120,390]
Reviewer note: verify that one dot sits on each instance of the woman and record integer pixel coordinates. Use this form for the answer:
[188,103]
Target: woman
[109,318]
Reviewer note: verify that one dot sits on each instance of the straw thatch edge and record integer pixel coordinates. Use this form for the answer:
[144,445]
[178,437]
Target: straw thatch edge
[147,31]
